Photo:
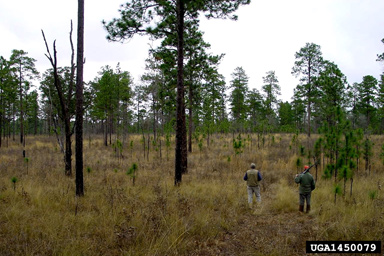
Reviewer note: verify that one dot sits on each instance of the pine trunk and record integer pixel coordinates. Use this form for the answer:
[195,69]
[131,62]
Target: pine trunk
[79,100]
[21,110]
[181,142]
[190,130]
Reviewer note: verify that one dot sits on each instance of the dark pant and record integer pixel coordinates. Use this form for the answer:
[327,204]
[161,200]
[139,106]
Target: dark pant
[305,197]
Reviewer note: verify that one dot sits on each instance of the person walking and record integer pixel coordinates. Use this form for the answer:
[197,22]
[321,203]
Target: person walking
[307,185]
[253,177]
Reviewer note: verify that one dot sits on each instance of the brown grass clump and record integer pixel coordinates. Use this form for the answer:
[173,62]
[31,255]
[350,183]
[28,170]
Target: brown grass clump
[207,215]
[285,199]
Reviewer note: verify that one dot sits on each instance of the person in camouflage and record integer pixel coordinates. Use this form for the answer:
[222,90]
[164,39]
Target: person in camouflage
[307,185]
[253,177]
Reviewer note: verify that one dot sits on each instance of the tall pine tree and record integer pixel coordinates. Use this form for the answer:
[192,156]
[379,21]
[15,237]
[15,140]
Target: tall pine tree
[307,66]
[159,18]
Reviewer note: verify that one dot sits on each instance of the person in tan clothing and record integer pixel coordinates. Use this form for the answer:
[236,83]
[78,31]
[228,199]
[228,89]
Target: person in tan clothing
[253,177]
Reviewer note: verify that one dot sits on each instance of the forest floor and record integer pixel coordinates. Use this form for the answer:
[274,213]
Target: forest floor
[260,232]
[268,234]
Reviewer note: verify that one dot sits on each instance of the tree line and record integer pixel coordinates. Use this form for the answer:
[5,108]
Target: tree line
[181,77]
[115,104]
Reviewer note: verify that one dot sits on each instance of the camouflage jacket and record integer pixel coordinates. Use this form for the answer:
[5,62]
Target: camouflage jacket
[307,183]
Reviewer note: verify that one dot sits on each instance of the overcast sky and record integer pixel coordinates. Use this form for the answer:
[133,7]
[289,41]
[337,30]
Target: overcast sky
[266,36]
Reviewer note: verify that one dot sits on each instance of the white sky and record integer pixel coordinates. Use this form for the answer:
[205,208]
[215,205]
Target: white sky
[266,36]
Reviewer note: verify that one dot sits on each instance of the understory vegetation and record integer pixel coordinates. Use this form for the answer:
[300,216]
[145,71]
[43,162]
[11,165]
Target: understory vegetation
[131,206]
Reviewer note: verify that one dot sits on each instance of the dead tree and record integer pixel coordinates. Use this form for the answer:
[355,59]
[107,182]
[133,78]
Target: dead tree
[65,101]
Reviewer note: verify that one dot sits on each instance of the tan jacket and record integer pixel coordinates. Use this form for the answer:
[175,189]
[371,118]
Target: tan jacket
[252,178]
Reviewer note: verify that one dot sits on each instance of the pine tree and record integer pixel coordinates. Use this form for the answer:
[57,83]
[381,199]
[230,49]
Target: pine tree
[332,85]
[367,91]
[298,107]
[112,90]
[25,71]
[367,154]
[307,66]
[286,117]
[271,90]
[255,108]
[239,86]
[332,142]
[32,111]
[8,95]
[380,104]
[161,18]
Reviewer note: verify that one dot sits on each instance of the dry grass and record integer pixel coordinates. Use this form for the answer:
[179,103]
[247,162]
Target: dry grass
[207,215]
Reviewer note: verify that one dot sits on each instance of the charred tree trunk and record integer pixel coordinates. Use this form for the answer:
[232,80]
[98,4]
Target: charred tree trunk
[181,140]
[79,100]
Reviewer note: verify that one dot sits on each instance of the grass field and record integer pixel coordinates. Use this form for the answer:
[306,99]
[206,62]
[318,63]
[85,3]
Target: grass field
[207,215]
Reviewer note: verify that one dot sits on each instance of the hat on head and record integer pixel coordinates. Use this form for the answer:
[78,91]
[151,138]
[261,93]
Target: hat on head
[253,166]
[306,167]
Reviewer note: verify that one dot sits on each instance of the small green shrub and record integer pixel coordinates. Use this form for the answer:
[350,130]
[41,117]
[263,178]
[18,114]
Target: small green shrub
[14,180]
[372,194]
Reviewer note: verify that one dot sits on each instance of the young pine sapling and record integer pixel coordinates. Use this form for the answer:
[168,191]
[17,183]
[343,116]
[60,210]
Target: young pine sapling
[372,194]
[345,173]
[367,154]
[132,173]
[238,145]
[382,154]
[298,165]
[26,160]
[14,180]
[131,147]
[336,191]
